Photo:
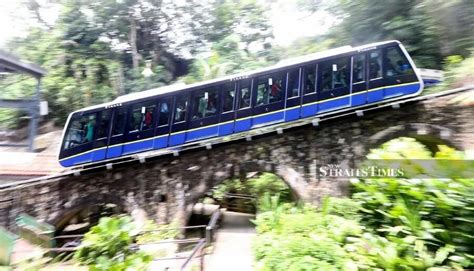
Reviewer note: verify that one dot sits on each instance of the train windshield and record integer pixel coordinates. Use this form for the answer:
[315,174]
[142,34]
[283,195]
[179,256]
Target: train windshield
[397,63]
[80,130]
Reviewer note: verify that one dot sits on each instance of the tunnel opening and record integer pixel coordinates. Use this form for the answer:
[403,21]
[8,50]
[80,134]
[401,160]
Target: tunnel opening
[246,195]
[79,219]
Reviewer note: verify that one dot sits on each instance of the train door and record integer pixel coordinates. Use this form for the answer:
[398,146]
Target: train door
[310,97]
[293,100]
[204,109]
[179,117]
[375,84]
[359,80]
[269,98]
[334,84]
[228,101]
[102,135]
[243,114]
[162,130]
[140,127]
[117,134]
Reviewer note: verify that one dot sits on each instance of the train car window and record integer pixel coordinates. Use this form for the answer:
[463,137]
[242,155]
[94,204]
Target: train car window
[244,97]
[358,72]
[180,109]
[335,74]
[103,124]
[164,117]
[270,89]
[80,131]
[375,65]
[205,104]
[142,117]
[396,63]
[119,121]
[310,79]
[229,96]
[294,83]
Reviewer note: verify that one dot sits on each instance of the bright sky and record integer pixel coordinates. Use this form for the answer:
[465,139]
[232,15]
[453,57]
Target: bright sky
[14,18]
[288,23]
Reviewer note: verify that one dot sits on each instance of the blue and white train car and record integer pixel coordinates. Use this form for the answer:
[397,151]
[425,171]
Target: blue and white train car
[305,87]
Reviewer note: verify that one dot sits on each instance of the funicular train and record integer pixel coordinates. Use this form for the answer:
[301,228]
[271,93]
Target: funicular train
[340,79]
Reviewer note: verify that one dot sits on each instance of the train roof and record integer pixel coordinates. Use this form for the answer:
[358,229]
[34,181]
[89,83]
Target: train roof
[283,63]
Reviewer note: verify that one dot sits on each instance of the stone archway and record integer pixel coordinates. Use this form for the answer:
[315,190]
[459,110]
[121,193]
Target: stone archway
[87,210]
[428,134]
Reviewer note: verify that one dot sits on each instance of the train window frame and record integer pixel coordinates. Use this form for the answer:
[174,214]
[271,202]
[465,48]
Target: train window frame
[186,107]
[142,105]
[108,125]
[334,68]
[381,64]
[230,88]
[124,123]
[267,82]
[364,69]
[402,56]
[169,100]
[207,93]
[316,79]
[298,80]
[249,84]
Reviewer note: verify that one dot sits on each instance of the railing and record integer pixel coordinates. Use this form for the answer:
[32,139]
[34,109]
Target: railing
[198,250]
[216,215]
[72,242]
[245,203]
[197,253]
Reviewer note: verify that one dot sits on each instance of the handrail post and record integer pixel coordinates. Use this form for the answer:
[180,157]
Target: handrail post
[208,235]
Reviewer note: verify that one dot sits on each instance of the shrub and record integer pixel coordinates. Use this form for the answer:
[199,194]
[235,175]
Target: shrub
[388,224]
[107,246]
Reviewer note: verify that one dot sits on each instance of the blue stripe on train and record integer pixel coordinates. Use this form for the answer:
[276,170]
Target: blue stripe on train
[333,104]
[226,129]
[98,155]
[202,133]
[359,98]
[134,147]
[114,151]
[259,121]
[177,139]
[160,142]
[292,114]
[80,159]
[240,125]
[400,90]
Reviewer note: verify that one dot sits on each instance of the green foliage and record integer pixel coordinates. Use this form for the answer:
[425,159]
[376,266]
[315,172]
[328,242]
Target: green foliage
[107,246]
[438,212]
[269,189]
[240,34]
[155,233]
[458,72]
[388,224]
[301,239]
[430,30]
[269,183]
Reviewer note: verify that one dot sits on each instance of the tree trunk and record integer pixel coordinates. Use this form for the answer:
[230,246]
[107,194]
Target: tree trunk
[133,43]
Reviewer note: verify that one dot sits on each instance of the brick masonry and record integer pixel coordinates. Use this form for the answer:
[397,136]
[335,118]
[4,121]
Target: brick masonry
[166,188]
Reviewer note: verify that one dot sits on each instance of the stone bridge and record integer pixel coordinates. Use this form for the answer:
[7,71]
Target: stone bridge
[167,187]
